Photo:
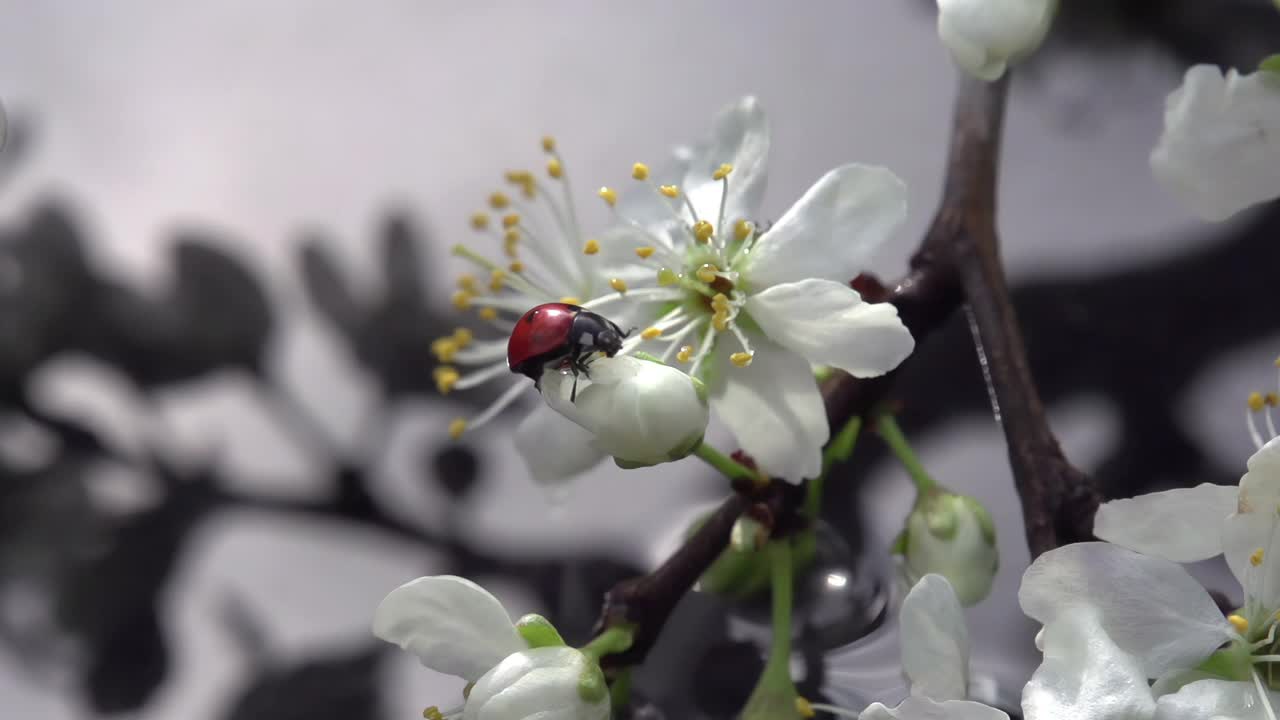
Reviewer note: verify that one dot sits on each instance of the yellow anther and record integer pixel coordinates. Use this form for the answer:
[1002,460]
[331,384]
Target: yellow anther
[609,195]
[720,301]
[499,200]
[804,708]
[457,427]
[463,336]
[518,177]
[516,267]
[548,143]
[640,171]
[667,276]
[554,168]
[571,300]
[462,300]
[1256,401]
[591,247]
[1272,399]
[650,333]
[685,354]
[670,191]
[707,273]
[480,220]
[645,252]
[703,230]
[618,284]
[511,243]
[741,359]
[1255,558]
[720,321]
[497,280]
[510,220]
[1239,623]
[444,348]
[468,282]
[432,713]
[445,377]
[742,230]
[488,313]
[722,172]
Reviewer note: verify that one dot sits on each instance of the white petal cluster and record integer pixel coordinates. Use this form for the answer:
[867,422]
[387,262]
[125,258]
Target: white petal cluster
[1220,149]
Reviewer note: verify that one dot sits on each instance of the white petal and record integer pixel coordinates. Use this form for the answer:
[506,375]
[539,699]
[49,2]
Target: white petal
[453,625]
[1085,676]
[984,35]
[832,231]
[1220,150]
[554,448]
[918,708]
[1216,699]
[1243,535]
[772,406]
[828,323]
[1150,607]
[935,641]
[1176,525]
[538,684]
[739,137]
[1260,486]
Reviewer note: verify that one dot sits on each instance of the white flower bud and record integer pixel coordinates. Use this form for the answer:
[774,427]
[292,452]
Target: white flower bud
[986,36]
[640,412]
[953,536]
[1220,150]
[545,683]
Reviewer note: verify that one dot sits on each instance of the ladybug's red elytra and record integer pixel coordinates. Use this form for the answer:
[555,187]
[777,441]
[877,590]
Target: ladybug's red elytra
[560,334]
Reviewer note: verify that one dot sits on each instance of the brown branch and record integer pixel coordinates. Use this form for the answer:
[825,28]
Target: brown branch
[958,262]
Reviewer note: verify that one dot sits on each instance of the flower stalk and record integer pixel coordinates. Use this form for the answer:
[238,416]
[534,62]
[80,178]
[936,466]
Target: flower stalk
[897,442]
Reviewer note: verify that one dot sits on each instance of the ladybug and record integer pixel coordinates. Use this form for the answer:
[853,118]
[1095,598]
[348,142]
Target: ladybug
[560,334]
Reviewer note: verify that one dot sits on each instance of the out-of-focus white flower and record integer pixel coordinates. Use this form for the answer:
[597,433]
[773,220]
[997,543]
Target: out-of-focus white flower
[516,671]
[951,535]
[1220,150]
[986,36]
[640,412]
[935,658]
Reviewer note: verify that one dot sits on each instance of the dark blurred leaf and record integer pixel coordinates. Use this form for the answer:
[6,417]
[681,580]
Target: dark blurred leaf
[342,687]
[402,268]
[225,310]
[328,290]
[128,664]
[724,673]
[456,468]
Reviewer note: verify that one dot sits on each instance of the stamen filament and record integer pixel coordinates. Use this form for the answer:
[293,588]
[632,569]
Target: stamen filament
[834,710]
[520,282]
[705,347]
[515,304]
[657,294]
[675,340]
[1253,428]
[1264,697]
[480,377]
[721,235]
[504,400]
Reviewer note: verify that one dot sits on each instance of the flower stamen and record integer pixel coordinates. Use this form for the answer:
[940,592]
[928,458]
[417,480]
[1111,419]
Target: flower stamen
[1239,622]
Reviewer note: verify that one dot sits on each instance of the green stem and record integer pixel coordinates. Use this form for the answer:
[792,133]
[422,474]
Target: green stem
[725,464]
[777,671]
[610,642]
[839,450]
[897,442]
[620,692]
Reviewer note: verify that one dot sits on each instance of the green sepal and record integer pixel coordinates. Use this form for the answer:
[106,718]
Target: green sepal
[985,524]
[591,683]
[1270,64]
[538,631]
[938,509]
[700,389]
[822,372]
[642,355]
[1230,663]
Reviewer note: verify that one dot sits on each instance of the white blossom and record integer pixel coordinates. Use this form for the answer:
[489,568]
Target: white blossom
[986,36]
[456,627]
[639,412]
[1220,149]
[750,309]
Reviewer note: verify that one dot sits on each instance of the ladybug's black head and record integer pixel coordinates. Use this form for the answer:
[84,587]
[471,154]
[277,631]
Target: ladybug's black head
[594,333]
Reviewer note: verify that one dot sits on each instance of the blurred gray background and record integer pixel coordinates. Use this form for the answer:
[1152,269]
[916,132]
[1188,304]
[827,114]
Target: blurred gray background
[267,121]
